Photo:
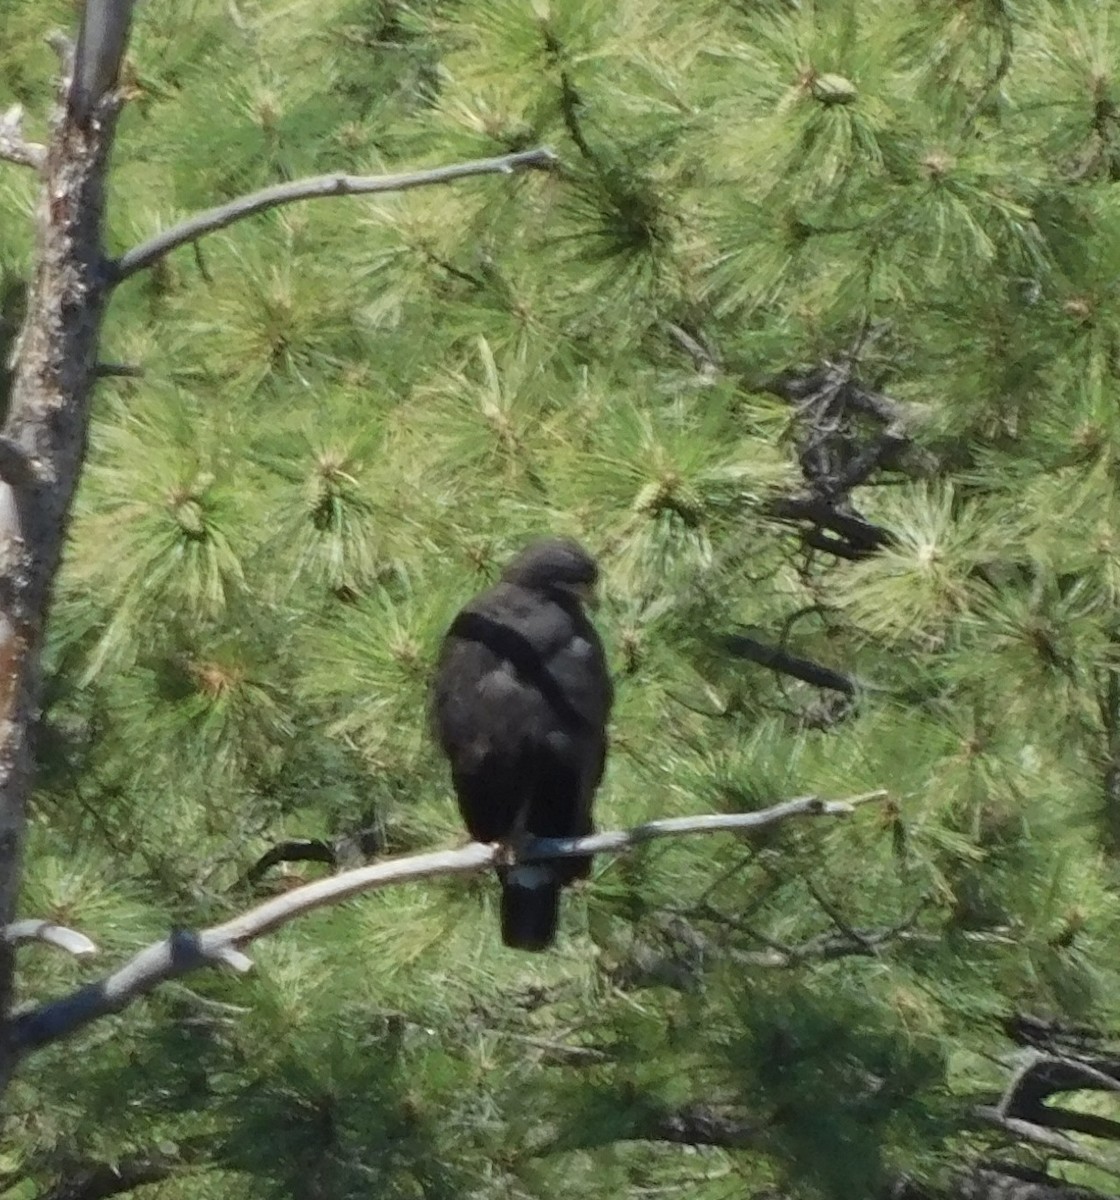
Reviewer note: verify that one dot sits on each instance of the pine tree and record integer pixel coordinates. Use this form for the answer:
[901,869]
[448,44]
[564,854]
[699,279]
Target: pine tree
[813,338]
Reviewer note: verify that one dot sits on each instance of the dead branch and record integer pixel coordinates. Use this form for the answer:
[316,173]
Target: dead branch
[701,1125]
[703,357]
[860,535]
[996,1180]
[1071,1121]
[193,228]
[13,147]
[1056,1143]
[112,370]
[774,658]
[99,1181]
[185,951]
[291,850]
[59,936]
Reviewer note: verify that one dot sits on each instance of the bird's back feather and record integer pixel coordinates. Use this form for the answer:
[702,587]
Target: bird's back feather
[520,704]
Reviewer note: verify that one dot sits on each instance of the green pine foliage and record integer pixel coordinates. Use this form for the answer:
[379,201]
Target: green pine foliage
[352,411]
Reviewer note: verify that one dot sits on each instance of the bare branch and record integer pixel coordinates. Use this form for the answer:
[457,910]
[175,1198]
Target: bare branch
[996,1180]
[700,1125]
[13,147]
[859,534]
[1071,1121]
[53,935]
[292,850]
[1042,1076]
[99,1181]
[626,839]
[185,951]
[112,370]
[1052,1035]
[229,956]
[63,46]
[816,540]
[785,663]
[319,186]
[1055,1143]
[703,358]
[102,41]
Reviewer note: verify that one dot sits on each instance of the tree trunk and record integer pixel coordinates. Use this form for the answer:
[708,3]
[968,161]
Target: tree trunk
[44,444]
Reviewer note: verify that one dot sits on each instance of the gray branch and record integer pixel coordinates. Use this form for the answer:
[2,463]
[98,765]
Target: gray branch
[53,935]
[185,951]
[1049,1139]
[190,230]
[13,146]
[102,41]
[1009,1181]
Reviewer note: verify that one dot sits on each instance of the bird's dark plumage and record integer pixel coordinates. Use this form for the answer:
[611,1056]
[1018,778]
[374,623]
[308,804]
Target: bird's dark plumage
[520,706]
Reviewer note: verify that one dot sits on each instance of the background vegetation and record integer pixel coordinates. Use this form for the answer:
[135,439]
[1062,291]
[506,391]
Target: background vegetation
[814,338]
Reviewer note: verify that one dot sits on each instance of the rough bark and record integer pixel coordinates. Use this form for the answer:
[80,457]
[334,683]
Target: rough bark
[44,442]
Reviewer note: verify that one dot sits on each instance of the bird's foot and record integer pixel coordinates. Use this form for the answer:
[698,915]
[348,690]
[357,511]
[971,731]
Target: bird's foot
[512,847]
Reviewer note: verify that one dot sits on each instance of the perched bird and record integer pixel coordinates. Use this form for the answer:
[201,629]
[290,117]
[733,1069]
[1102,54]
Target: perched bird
[520,703]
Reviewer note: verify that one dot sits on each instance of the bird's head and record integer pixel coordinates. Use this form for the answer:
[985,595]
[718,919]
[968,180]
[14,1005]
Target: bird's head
[556,565]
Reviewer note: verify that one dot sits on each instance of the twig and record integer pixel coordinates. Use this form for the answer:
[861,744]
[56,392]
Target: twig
[838,918]
[560,1054]
[114,370]
[100,1181]
[292,850]
[701,1125]
[190,230]
[1055,1116]
[1043,1076]
[14,148]
[996,1179]
[816,540]
[776,659]
[184,951]
[570,100]
[858,533]
[703,359]
[1003,65]
[59,936]
[63,46]
[1056,1143]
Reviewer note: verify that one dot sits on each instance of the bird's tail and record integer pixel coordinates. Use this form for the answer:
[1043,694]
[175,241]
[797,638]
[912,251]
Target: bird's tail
[530,906]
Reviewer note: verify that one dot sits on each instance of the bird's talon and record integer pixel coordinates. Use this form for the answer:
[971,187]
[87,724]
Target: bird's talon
[505,854]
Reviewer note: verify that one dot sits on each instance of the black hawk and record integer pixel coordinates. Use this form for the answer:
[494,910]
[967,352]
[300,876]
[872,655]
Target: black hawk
[520,705]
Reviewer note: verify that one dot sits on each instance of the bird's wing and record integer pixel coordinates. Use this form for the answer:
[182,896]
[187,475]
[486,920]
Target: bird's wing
[579,668]
[566,651]
[522,669]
